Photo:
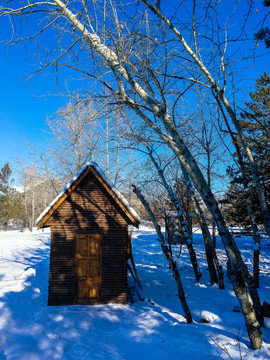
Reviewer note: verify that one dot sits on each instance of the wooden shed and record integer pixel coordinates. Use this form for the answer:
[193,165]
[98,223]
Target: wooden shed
[89,240]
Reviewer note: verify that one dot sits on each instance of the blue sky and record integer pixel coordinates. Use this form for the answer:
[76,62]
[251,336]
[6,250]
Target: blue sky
[25,103]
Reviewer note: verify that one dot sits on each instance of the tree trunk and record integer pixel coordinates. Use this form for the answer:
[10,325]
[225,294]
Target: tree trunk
[185,231]
[257,240]
[33,208]
[256,265]
[193,260]
[252,325]
[214,234]
[107,147]
[168,255]
[117,160]
[209,250]
[256,234]
[130,256]
[209,247]
[213,253]
[176,275]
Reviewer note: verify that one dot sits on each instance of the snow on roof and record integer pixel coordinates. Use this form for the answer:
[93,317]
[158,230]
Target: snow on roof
[105,179]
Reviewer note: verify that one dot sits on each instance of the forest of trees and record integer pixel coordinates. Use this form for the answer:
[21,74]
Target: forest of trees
[159,110]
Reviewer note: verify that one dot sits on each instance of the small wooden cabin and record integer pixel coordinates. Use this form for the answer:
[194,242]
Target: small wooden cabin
[89,240]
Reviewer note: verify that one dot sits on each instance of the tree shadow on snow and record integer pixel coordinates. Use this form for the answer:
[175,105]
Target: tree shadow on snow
[31,330]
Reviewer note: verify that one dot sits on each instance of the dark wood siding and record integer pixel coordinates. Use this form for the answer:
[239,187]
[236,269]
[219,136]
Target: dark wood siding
[89,209]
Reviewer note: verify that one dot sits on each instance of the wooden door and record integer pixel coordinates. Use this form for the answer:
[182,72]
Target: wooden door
[88,268]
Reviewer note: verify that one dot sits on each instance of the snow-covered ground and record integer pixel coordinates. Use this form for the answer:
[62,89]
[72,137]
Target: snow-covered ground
[149,329]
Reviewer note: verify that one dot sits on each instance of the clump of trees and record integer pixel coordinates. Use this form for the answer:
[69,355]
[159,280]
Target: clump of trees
[21,205]
[6,196]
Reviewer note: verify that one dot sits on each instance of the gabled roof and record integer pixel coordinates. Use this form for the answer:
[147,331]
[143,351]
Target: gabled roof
[75,181]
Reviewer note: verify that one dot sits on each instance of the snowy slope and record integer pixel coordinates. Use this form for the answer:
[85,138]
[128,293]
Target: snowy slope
[149,329]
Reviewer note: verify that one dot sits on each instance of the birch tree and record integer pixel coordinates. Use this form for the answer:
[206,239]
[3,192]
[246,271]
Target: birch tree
[81,131]
[37,193]
[185,234]
[75,136]
[167,252]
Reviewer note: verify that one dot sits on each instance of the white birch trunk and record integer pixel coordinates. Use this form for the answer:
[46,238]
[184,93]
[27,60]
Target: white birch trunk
[183,228]
[168,254]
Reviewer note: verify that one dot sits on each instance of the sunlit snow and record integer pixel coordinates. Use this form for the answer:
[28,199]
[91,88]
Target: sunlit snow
[154,328]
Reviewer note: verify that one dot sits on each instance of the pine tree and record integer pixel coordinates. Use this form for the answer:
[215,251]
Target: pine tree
[256,123]
[264,33]
[5,195]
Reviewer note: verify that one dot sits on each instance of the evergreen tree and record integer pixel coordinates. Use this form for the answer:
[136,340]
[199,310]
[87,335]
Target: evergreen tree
[5,195]
[256,123]
[264,33]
